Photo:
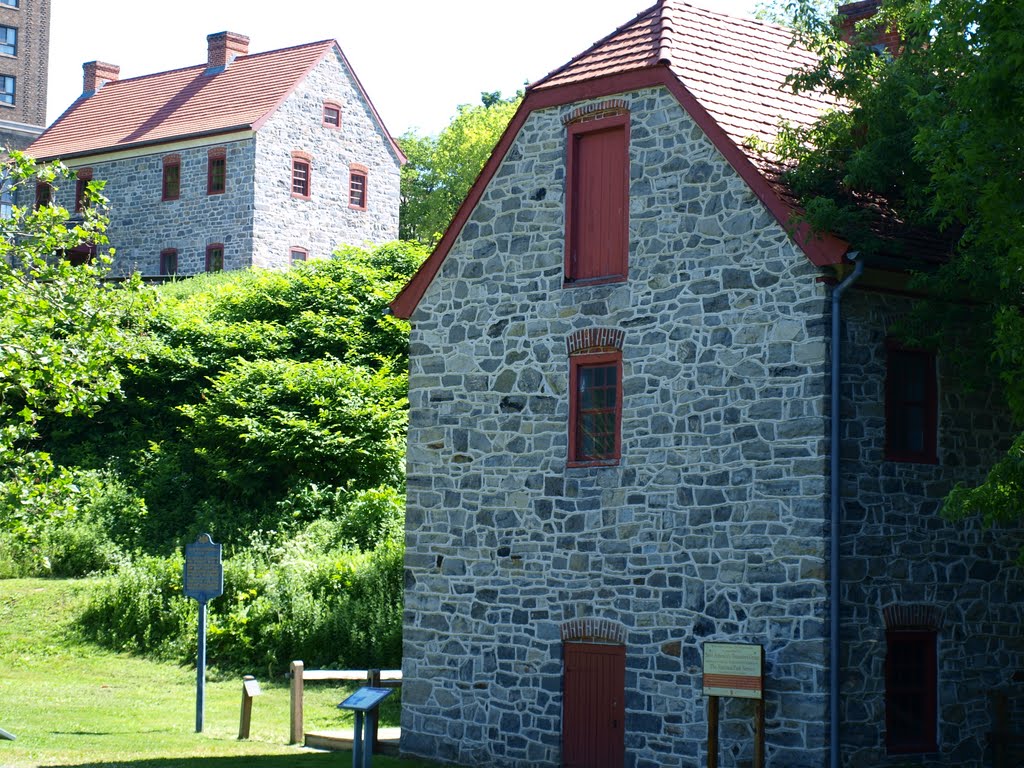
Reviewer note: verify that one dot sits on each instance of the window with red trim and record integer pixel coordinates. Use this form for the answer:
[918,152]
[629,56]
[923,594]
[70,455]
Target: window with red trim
[216,172]
[81,186]
[296,254]
[597,200]
[911,405]
[169,261]
[595,408]
[215,257]
[44,194]
[332,114]
[911,687]
[357,187]
[301,175]
[170,187]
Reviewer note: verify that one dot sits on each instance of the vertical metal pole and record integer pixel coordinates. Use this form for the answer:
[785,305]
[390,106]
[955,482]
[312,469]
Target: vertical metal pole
[368,738]
[201,668]
[357,742]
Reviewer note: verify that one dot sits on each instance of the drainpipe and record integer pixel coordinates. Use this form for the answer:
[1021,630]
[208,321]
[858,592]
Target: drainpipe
[837,295]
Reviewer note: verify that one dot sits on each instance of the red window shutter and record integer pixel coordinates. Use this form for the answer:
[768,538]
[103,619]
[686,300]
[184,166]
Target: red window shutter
[911,406]
[598,200]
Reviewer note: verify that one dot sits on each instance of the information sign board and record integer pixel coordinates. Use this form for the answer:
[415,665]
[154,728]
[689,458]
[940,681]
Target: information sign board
[366,698]
[734,669]
[204,572]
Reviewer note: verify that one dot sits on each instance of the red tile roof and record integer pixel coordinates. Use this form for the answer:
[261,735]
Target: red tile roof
[736,68]
[182,103]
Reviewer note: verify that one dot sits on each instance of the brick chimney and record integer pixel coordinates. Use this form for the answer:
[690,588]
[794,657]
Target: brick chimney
[223,47]
[96,74]
[851,13]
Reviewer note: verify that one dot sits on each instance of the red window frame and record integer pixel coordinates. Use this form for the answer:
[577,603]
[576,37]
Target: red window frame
[216,172]
[602,370]
[332,115]
[169,261]
[297,253]
[911,405]
[911,691]
[44,194]
[170,183]
[82,179]
[215,257]
[583,221]
[358,183]
[302,175]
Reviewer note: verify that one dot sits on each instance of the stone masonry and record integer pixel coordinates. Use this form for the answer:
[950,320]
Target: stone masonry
[712,525]
[257,219]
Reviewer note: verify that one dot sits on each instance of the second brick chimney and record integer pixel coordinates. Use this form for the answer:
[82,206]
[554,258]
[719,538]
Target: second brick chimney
[223,47]
[95,74]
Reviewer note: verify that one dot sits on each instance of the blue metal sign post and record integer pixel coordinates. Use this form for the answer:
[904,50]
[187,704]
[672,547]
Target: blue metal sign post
[203,580]
[362,702]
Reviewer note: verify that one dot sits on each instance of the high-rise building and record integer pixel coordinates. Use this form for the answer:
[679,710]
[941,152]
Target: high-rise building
[24,59]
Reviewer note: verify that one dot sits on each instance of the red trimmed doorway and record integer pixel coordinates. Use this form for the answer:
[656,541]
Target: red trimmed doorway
[593,706]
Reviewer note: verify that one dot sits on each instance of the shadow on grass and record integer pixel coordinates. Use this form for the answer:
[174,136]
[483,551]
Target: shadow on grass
[301,759]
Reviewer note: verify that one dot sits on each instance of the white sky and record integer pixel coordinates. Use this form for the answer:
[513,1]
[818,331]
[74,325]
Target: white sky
[417,59]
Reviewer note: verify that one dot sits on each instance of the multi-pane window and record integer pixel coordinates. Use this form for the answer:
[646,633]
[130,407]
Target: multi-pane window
[911,405]
[301,175]
[215,257]
[595,388]
[84,176]
[44,194]
[910,691]
[332,115]
[6,89]
[9,40]
[169,261]
[357,187]
[297,254]
[216,172]
[597,200]
[170,188]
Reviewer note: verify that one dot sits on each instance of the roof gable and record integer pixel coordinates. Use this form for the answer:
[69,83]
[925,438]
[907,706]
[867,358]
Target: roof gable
[727,73]
[184,103]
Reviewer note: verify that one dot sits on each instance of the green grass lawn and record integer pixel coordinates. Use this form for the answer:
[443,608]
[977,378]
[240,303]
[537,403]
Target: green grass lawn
[74,704]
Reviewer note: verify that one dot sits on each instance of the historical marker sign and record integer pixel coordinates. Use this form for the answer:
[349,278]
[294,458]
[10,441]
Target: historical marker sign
[366,698]
[734,669]
[204,572]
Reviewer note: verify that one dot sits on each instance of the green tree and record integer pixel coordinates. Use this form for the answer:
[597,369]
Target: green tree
[932,140]
[61,330]
[442,168]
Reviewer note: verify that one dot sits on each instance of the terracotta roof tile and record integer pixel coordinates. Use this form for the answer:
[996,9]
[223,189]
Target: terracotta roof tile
[736,68]
[179,103]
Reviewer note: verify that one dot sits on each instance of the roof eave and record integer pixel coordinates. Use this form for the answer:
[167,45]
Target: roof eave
[109,149]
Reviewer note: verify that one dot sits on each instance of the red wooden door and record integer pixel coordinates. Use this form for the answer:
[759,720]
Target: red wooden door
[593,706]
[599,225]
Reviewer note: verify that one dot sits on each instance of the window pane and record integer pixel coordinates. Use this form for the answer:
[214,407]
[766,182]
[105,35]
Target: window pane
[332,116]
[9,41]
[357,190]
[7,89]
[597,402]
[300,178]
[172,181]
[217,175]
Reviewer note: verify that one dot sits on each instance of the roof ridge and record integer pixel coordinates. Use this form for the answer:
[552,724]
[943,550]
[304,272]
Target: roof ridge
[621,28]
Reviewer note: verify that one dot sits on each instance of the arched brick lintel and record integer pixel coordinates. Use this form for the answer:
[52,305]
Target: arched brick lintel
[588,340]
[606,108]
[922,617]
[594,630]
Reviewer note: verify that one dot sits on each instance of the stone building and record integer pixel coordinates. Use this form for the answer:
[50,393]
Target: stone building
[621,370]
[247,160]
[24,66]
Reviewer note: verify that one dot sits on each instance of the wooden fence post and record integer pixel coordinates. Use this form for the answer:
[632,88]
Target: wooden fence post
[296,703]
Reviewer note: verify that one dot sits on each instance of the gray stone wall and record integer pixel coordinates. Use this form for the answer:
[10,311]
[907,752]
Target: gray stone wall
[325,221]
[899,551]
[142,225]
[712,525]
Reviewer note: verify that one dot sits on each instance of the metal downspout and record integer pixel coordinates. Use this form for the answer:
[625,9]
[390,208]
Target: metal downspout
[834,451]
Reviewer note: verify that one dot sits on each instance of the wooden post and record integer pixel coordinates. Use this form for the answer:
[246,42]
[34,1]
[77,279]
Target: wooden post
[246,718]
[712,732]
[372,680]
[759,734]
[296,703]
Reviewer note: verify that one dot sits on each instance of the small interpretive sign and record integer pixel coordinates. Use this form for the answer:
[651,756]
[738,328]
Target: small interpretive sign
[204,572]
[734,669]
[366,698]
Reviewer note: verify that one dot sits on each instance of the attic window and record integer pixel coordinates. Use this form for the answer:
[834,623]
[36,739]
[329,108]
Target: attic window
[216,171]
[171,185]
[357,186]
[332,114]
[301,170]
[597,200]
